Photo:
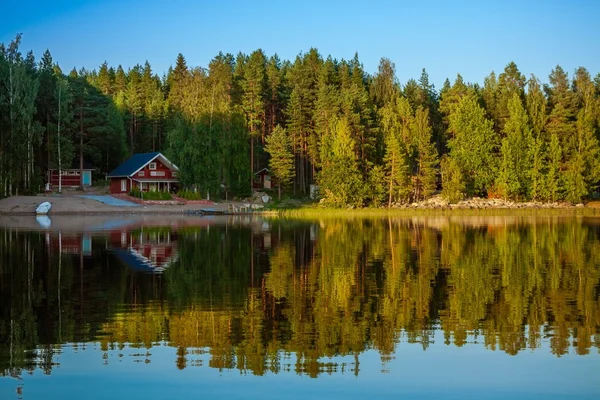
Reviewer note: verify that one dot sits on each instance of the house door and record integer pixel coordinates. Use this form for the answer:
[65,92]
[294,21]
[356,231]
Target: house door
[123,185]
[87,178]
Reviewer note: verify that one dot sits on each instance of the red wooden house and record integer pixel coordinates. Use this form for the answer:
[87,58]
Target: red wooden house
[145,171]
[71,177]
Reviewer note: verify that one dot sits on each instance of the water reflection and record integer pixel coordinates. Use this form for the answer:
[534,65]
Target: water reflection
[273,296]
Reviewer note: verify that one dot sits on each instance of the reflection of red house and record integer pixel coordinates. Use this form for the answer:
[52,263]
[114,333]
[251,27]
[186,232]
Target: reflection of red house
[145,171]
[262,179]
[69,243]
[145,251]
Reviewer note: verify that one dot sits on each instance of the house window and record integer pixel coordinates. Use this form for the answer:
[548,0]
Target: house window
[123,185]
[142,173]
[157,173]
[174,174]
[152,165]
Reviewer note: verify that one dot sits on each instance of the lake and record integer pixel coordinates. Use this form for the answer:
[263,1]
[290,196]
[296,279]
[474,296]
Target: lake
[157,307]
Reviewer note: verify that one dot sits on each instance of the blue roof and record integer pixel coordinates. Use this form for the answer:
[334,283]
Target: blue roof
[132,164]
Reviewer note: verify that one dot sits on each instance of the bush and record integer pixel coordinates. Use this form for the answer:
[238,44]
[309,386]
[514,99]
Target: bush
[189,195]
[135,192]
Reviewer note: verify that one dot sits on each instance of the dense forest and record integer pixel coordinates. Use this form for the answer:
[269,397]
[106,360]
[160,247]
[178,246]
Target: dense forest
[365,140]
[319,290]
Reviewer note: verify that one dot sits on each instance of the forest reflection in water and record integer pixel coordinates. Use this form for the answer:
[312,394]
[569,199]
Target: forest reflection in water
[261,296]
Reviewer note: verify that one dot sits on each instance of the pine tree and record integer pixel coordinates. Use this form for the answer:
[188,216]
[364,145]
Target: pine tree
[553,177]
[536,107]
[397,170]
[385,87]
[537,154]
[516,161]
[510,83]
[253,101]
[424,180]
[281,162]
[104,80]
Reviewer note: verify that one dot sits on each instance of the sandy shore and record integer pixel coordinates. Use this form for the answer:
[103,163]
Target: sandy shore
[72,204]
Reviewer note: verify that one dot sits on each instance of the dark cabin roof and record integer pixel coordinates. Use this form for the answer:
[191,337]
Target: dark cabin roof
[133,163]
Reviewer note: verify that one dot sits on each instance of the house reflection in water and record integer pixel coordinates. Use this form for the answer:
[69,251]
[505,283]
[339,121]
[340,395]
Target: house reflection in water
[144,250]
[150,251]
[69,243]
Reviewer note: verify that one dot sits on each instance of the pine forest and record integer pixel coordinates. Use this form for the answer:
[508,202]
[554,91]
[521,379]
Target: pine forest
[364,140]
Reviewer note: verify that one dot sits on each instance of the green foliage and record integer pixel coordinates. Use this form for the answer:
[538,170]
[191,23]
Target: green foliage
[189,195]
[538,156]
[515,170]
[216,123]
[473,145]
[377,188]
[136,192]
[281,161]
[453,184]
[554,180]
[340,180]
[397,171]
[426,157]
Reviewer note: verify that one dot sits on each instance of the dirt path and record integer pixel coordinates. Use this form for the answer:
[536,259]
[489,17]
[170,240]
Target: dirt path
[73,204]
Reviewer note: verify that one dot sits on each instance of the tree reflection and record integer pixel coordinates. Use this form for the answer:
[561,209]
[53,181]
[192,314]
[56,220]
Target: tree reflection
[309,291]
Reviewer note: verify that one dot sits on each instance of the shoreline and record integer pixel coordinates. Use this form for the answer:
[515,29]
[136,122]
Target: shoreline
[75,205]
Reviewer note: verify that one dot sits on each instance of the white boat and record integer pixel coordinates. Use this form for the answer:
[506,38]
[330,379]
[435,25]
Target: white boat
[43,208]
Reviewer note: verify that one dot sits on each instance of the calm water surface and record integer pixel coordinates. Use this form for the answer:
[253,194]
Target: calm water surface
[427,308]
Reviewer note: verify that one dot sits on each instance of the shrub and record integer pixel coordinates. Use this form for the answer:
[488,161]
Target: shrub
[135,192]
[189,195]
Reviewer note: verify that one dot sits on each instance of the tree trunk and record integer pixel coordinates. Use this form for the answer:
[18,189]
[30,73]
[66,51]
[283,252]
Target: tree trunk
[81,149]
[391,185]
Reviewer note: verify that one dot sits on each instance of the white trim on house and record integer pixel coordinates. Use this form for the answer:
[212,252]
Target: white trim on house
[163,159]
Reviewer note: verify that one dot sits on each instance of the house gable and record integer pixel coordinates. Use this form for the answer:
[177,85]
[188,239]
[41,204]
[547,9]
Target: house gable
[138,162]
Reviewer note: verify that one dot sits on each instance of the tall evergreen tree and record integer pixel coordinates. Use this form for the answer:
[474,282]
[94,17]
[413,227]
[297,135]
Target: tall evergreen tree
[516,163]
[281,162]
[424,180]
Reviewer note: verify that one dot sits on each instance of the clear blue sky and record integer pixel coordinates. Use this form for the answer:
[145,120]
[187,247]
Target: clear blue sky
[445,37]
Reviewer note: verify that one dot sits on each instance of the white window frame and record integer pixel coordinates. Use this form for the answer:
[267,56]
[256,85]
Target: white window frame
[152,165]
[141,173]
[123,185]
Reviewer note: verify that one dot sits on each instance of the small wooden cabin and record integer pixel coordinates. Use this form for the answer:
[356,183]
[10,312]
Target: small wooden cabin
[262,179]
[71,177]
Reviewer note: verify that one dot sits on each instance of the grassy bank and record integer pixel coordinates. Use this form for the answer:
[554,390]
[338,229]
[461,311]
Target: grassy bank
[318,212]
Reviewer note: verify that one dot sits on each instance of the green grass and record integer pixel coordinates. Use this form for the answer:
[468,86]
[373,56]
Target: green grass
[320,212]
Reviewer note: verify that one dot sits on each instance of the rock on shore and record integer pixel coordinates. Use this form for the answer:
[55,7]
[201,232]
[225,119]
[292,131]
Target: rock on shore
[438,202]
